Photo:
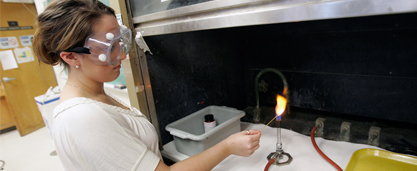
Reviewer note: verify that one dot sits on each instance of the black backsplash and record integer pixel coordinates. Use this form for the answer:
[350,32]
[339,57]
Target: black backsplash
[191,71]
[365,66]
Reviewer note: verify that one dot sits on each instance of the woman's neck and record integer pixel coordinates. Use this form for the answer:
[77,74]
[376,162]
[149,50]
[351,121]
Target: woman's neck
[89,86]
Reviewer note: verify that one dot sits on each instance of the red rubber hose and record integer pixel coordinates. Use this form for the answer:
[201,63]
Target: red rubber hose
[321,153]
[272,160]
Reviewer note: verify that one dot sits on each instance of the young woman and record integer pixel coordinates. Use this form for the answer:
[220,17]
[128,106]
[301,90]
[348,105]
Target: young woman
[93,130]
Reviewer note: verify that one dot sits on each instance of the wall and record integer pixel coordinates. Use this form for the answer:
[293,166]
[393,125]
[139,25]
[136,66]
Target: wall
[357,66]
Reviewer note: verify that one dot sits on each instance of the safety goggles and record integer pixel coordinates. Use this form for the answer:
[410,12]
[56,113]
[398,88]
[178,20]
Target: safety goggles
[106,48]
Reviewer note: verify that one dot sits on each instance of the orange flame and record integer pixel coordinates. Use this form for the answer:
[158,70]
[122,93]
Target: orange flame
[281,105]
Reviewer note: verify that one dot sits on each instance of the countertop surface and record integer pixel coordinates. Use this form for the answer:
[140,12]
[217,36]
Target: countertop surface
[299,146]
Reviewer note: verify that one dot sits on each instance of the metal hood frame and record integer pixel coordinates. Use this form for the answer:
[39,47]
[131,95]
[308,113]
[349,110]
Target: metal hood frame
[234,13]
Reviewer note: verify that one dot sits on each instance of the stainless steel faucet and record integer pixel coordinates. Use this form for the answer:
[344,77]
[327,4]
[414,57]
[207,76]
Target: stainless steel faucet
[257,110]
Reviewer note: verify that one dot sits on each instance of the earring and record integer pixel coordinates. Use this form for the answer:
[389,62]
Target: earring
[76,66]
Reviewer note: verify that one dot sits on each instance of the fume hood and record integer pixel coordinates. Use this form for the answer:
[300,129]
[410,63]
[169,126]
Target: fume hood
[345,60]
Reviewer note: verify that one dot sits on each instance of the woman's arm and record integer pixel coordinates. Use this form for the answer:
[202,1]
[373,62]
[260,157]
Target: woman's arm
[240,144]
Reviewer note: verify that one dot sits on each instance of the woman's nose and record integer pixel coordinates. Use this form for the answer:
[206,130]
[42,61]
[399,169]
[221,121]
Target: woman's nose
[124,56]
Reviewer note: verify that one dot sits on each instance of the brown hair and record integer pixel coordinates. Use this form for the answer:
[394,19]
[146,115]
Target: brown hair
[66,24]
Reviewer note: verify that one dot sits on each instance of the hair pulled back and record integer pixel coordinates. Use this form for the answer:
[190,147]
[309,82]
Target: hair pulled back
[66,24]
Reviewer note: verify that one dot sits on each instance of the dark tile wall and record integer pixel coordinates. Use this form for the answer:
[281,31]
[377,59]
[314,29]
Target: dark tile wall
[191,71]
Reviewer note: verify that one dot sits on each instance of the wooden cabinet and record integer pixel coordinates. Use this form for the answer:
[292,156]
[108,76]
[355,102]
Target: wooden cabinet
[6,116]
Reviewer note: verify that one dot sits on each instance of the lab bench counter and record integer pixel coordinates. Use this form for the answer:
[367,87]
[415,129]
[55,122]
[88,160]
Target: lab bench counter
[299,146]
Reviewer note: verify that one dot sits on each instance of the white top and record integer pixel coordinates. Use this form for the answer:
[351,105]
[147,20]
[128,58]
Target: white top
[91,135]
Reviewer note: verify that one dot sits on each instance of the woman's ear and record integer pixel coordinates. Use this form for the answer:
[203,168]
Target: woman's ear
[70,58]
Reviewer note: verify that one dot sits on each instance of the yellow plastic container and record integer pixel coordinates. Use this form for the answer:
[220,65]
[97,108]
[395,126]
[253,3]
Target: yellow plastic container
[373,159]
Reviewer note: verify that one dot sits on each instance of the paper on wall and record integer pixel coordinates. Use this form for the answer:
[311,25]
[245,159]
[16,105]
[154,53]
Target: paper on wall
[8,42]
[119,19]
[23,55]
[7,60]
[26,40]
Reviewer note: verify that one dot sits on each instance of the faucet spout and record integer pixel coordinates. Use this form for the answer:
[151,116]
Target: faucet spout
[256,115]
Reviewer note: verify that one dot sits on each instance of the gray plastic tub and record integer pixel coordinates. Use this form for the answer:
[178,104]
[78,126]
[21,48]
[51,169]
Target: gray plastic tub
[189,135]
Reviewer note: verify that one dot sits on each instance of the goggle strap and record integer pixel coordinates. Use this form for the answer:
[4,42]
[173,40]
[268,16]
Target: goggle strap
[79,50]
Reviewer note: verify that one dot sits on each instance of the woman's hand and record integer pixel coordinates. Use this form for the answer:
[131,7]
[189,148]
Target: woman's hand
[242,143]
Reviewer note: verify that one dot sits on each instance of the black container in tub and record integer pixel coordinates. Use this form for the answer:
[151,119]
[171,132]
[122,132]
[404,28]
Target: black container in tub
[189,135]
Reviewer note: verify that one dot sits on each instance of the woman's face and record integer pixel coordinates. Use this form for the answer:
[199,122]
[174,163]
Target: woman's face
[102,73]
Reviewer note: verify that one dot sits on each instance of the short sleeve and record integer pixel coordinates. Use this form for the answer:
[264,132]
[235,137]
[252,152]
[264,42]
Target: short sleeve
[87,138]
